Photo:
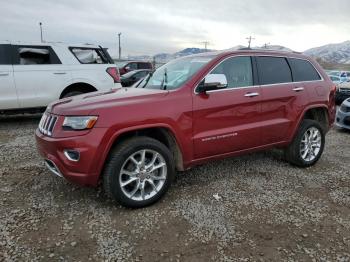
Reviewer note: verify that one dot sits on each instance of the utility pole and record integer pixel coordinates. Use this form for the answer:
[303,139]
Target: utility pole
[206,43]
[120,48]
[41,32]
[250,38]
[266,45]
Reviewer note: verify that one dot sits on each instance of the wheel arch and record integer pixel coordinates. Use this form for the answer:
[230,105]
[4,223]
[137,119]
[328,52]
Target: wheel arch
[79,86]
[317,112]
[163,133]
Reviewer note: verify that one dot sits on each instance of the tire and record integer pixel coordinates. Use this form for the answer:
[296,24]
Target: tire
[72,93]
[300,145]
[121,168]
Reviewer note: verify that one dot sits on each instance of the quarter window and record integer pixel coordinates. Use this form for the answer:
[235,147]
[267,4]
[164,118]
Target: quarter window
[303,70]
[238,71]
[273,70]
[89,55]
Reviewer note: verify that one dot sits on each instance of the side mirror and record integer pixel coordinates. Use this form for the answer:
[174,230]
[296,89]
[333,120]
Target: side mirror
[127,68]
[212,82]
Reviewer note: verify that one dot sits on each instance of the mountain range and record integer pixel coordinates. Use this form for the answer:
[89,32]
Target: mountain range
[331,53]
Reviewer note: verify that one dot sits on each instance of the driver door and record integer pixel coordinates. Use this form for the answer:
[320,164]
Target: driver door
[228,119]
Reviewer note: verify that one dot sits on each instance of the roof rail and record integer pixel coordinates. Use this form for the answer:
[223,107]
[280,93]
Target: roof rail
[269,50]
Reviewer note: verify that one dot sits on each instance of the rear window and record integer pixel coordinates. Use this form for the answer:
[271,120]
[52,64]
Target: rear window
[89,55]
[5,58]
[35,55]
[145,66]
[273,70]
[303,70]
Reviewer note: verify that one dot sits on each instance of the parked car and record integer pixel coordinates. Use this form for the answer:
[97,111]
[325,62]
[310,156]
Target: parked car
[343,92]
[335,79]
[345,76]
[128,66]
[343,115]
[333,73]
[33,75]
[132,77]
[188,112]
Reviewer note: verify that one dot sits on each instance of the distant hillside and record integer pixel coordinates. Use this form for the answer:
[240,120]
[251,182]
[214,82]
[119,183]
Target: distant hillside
[333,66]
[332,53]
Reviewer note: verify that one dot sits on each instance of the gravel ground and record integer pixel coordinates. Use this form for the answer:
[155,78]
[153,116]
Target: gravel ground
[263,210]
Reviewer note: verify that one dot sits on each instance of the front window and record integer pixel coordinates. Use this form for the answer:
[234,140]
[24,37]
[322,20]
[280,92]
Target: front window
[175,73]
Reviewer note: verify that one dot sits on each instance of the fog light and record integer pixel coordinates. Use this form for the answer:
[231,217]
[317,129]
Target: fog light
[72,155]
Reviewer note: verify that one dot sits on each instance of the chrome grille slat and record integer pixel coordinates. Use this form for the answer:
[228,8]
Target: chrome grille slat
[47,124]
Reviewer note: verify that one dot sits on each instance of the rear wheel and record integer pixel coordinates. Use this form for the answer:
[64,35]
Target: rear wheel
[308,144]
[139,172]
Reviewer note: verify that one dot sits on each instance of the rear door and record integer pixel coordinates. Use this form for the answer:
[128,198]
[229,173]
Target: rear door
[282,100]
[227,120]
[39,75]
[8,94]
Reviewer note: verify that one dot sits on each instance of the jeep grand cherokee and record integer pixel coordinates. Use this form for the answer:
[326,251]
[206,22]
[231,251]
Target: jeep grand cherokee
[189,111]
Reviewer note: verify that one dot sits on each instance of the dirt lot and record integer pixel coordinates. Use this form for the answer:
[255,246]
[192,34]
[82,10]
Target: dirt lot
[268,211]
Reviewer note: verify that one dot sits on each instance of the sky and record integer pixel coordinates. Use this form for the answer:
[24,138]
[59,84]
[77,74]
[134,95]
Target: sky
[160,26]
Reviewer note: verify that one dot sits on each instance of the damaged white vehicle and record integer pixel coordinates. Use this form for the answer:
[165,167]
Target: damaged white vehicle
[33,75]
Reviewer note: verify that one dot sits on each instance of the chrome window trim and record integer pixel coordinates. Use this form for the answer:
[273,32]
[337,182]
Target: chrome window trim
[258,86]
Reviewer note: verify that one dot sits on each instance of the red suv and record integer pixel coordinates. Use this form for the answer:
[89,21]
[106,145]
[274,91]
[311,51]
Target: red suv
[189,111]
[128,66]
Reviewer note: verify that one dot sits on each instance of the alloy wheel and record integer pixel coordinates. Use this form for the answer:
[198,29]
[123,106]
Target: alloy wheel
[143,175]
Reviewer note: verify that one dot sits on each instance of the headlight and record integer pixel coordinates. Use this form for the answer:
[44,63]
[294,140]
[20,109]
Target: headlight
[79,122]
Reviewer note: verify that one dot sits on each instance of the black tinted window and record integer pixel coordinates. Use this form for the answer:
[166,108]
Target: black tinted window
[133,66]
[35,55]
[144,66]
[303,70]
[238,71]
[5,54]
[273,70]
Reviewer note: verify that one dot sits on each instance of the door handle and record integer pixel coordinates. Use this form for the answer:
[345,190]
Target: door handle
[251,94]
[298,89]
[4,74]
[60,73]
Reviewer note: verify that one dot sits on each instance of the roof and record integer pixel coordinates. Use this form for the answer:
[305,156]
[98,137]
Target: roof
[246,51]
[37,43]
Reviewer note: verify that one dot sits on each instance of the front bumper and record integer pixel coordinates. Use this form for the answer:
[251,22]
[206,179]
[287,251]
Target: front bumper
[343,119]
[84,172]
[340,96]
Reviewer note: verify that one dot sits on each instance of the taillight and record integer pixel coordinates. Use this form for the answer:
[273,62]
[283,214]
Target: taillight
[114,73]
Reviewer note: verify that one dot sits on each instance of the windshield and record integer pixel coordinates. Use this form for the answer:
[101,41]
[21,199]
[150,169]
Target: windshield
[175,73]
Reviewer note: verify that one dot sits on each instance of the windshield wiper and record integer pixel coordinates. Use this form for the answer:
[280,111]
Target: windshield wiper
[164,83]
[148,78]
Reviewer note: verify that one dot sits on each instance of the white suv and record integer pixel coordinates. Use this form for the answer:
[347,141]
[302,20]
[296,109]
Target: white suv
[33,75]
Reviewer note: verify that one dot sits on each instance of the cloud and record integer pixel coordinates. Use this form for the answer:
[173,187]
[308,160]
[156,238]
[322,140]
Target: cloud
[154,26]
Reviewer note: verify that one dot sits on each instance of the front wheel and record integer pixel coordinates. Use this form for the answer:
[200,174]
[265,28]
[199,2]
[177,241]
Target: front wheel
[308,144]
[139,172]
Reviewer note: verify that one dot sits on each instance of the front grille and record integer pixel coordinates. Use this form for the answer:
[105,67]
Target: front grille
[345,109]
[347,121]
[345,91]
[47,123]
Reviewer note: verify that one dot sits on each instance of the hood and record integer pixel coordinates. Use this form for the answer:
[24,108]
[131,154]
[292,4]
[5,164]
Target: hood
[87,103]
